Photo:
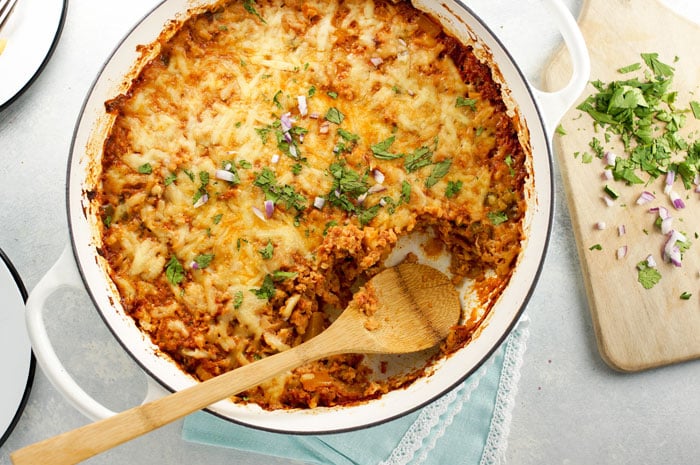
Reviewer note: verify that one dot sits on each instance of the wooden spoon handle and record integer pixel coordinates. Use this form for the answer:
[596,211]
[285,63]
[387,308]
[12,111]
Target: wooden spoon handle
[79,444]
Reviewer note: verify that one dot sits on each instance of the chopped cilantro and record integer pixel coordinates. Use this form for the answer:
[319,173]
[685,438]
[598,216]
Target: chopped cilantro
[146,168]
[381,149]
[264,134]
[647,276]
[439,171]
[418,159]
[204,260]
[560,130]
[466,102]
[174,271]
[249,6]
[642,114]
[596,247]
[334,115]
[169,179]
[695,107]
[267,290]
[686,296]
[659,68]
[368,214]
[267,251]
[405,192]
[280,194]
[453,188]
[629,68]
[332,94]
[497,218]
[276,100]
[217,218]
[237,300]
[347,186]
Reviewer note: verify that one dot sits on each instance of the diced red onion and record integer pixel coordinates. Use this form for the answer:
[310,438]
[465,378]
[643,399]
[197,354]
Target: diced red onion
[301,104]
[621,252]
[376,188]
[361,198]
[293,151]
[257,212]
[225,175]
[666,225]
[323,129]
[670,177]
[382,202]
[621,230]
[663,212]
[650,261]
[610,158]
[376,61]
[315,115]
[402,42]
[319,202]
[269,208]
[275,159]
[286,122]
[645,197]
[201,201]
[608,201]
[676,200]
[607,175]
[228,166]
[378,176]
[600,225]
[675,256]
[194,265]
[672,252]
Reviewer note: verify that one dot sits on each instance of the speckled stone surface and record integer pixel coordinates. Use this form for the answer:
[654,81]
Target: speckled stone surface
[570,409]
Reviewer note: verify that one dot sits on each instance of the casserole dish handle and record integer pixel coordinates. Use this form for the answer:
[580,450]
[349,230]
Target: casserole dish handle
[554,105]
[63,274]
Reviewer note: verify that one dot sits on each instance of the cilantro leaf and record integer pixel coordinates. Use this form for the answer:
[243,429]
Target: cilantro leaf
[146,168]
[439,171]
[334,115]
[249,6]
[418,159]
[381,149]
[497,218]
[204,260]
[647,276]
[174,271]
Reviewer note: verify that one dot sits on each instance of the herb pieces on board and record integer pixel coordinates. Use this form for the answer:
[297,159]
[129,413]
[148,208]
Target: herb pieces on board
[640,111]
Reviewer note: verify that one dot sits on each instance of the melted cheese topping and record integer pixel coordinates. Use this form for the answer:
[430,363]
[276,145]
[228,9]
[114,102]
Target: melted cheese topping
[271,156]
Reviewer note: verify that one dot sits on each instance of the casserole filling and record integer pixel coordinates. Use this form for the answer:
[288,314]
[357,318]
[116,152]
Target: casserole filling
[272,155]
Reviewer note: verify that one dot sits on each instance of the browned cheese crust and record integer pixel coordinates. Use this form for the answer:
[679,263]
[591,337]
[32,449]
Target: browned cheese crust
[359,122]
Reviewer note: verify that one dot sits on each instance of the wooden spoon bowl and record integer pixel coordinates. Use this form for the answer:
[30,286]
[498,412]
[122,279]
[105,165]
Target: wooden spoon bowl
[408,308]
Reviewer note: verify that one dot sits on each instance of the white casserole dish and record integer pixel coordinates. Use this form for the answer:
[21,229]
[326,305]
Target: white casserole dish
[79,266]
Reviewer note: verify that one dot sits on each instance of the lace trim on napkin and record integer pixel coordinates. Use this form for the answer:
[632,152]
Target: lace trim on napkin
[431,416]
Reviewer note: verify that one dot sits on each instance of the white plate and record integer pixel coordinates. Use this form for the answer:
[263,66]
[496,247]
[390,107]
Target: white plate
[31,31]
[16,356]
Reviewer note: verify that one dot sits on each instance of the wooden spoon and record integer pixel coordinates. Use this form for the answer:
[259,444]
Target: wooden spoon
[412,308]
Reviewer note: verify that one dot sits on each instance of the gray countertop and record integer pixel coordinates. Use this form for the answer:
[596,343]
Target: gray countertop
[571,408]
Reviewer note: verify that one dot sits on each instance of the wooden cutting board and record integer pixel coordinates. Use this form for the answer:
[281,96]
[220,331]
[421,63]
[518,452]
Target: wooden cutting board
[636,328]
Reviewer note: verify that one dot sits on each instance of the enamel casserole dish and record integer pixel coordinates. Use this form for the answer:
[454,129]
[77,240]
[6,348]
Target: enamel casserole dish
[79,266]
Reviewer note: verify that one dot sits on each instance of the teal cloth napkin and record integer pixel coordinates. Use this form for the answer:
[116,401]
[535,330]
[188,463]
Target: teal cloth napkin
[468,425]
